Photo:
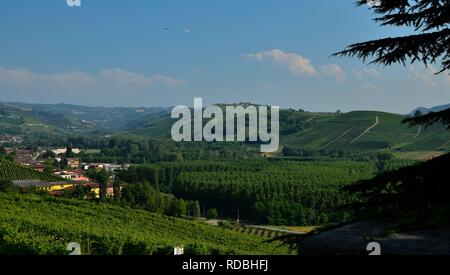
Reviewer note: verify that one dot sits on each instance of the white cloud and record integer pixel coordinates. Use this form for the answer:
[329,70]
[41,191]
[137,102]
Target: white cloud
[125,77]
[24,77]
[334,71]
[372,87]
[297,64]
[425,76]
[70,79]
[367,73]
[269,86]
[174,82]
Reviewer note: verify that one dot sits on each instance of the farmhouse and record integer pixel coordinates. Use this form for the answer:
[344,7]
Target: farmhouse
[7,150]
[24,156]
[62,151]
[73,163]
[95,166]
[35,165]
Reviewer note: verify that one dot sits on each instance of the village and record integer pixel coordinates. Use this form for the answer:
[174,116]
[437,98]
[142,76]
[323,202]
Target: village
[62,163]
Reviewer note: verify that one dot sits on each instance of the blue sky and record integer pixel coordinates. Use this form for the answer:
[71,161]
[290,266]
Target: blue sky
[165,53]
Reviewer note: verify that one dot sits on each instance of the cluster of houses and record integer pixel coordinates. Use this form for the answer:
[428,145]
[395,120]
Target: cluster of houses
[7,139]
[59,188]
[72,177]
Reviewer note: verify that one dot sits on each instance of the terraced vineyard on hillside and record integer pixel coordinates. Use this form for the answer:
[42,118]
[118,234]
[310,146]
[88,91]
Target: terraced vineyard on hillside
[259,232]
[365,130]
[12,171]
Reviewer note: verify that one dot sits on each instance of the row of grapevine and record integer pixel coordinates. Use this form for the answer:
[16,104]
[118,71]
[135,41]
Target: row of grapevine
[31,224]
[12,171]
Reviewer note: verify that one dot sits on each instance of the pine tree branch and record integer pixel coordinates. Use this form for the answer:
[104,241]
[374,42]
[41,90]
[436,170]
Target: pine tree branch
[434,17]
[430,119]
[388,6]
[426,48]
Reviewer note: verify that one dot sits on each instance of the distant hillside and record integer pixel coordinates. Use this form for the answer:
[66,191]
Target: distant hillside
[354,131]
[53,124]
[108,119]
[23,121]
[424,111]
[18,116]
[365,130]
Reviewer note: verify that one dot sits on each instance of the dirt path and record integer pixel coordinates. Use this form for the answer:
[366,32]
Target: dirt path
[312,118]
[274,154]
[336,139]
[443,145]
[275,229]
[377,121]
[419,131]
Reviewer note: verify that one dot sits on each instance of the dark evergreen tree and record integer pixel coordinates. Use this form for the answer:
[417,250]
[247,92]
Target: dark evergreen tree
[212,214]
[102,178]
[117,185]
[430,44]
[415,195]
[69,151]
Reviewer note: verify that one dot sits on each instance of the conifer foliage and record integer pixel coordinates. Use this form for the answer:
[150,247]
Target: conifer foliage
[430,43]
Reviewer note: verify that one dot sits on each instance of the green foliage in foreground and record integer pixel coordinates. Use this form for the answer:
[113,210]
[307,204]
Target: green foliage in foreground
[30,224]
[416,195]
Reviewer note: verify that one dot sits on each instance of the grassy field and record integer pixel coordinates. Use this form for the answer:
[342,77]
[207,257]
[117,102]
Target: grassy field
[418,155]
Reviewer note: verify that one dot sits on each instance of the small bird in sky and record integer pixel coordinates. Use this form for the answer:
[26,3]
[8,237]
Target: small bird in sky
[186,30]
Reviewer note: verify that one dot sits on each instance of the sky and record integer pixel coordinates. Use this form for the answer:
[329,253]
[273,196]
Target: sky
[166,52]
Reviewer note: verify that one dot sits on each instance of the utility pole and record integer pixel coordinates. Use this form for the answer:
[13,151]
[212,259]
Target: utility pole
[238,216]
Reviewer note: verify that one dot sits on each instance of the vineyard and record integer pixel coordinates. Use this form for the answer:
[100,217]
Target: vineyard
[259,232]
[12,171]
[270,192]
[30,224]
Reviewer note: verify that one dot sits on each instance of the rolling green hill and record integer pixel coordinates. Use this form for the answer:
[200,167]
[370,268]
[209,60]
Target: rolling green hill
[358,131]
[365,130]
[30,224]
[354,131]
[65,119]
[108,119]
[34,124]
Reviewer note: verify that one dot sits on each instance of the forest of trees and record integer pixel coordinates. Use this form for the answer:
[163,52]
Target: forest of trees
[146,197]
[274,192]
[140,151]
